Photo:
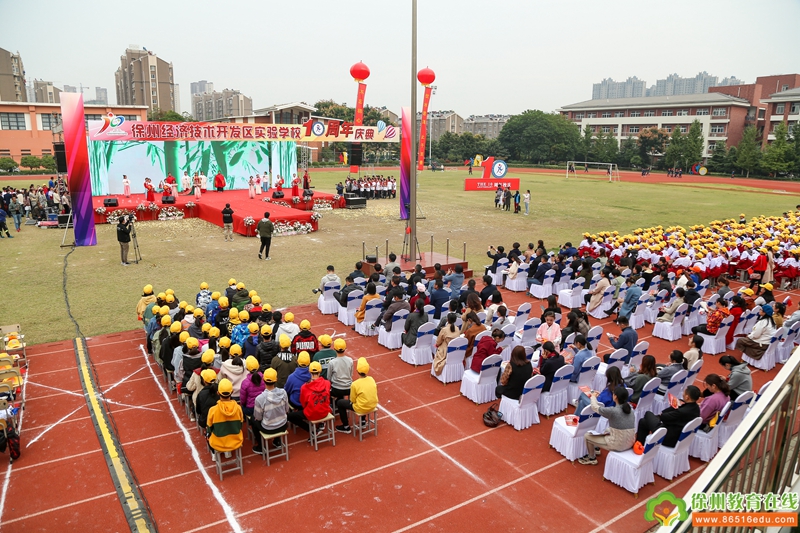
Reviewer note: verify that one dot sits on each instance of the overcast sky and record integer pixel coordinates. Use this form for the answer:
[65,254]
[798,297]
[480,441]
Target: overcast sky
[502,56]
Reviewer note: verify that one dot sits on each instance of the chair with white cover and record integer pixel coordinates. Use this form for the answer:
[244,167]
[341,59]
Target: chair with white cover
[497,275]
[327,304]
[599,312]
[752,319]
[758,395]
[454,363]
[672,462]
[478,337]
[637,318]
[593,338]
[347,315]
[555,400]
[693,371]
[592,284]
[588,371]
[564,282]
[734,417]
[380,290]
[714,344]
[430,310]
[744,320]
[652,310]
[508,343]
[361,282]
[692,318]
[523,313]
[526,336]
[671,277]
[639,351]
[523,413]
[676,385]
[372,311]
[422,351]
[392,339]
[617,359]
[671,331]
[640,283]
[787,346]
[706,443]
[572,298]
[480,387]
[646,399]
[520,281]
[546,288]
[482,317]
[703,288]
[767,361]
[631,471]
[569,440]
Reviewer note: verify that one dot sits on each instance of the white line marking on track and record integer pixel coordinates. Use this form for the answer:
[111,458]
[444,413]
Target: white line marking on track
[54,424]
[10,464]
[229,514]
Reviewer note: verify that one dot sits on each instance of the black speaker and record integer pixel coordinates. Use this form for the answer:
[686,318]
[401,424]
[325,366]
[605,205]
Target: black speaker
[110,202]
[354,154]
[167,199]
[60,156]
[277,194]
[372,259]
[308,193]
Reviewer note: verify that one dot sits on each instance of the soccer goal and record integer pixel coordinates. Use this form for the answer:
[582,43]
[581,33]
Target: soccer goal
[611,170]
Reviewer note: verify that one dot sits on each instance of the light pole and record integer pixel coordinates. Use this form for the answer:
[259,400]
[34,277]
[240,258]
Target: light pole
[412,200]
[430,132]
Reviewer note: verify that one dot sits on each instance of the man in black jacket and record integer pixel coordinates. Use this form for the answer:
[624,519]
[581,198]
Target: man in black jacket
[495,256]
[462,300]
[124,238]
[349,286]
[671,418]
[227,222]
[488,289]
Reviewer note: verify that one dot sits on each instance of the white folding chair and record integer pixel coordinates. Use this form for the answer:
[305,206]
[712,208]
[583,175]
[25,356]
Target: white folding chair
[788,345]
[380,290]
[372,311]
[454,363]
[631,471]
[482,317]
[671,331]
[527,335]
[392,339]
[593,338]
[617,359]
[422,351]
[592,284]
[555,400]
[599,312]
[523,413]
[572,298]
[347,315]
[569,441]
[693,371]
[480,387]
[508,343]
[522,314]
[637,318]
[639,351]
[651,314]
[714,344]
[564,282]
[430,310]
[758,395]
[546,288]
[676,384]
[672,462]
[744,320]
[767,361]
[361,282]
[646,398]
[326,303]
[588,371]
[692,318]
[497,275]
[706,443]
[520,282]
[734,417]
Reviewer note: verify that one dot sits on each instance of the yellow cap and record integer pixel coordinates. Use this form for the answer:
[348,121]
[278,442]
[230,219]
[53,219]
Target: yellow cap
[161,295]
[208,357]
[170,291]
[184,336]
[231,281]
[169,299]
[206,327]
[303,359]
[315,368]
[208,375]
[305,324]
[215,295]
[251,363]
[285,341]
[270,375]
[182,304]
[289,317]
[362,367]
[213,332]
[225,387]
[175,327]
[339,345]
[192,343]
[155,309]
[198,313]
[252,293]
[255,300]
[235,350]
[148,289]
[223,301]
[239,286]
[225,342]
[244,316]
[266,307]
[325,340]
[233,313]
[166,320]
[163,310]
[266,329]
[189,309]
[204,286]
[252,327]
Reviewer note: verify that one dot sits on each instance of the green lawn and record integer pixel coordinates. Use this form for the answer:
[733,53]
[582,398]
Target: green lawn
[181,254]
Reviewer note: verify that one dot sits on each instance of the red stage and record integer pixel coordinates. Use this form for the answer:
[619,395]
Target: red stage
[209,208]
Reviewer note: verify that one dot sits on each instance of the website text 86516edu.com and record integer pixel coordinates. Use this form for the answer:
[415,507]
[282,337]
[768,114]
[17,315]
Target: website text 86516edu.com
[744,519]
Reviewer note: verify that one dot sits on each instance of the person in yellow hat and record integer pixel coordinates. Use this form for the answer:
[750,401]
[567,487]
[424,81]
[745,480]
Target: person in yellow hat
[363,396]
[233,369]
[189,361]
[196,382]
[151,325]
[223,314]
[225,421]
[169,343]
[340,371]
[213,308]
[240,332]
[207,397]
[305,341]
[251,387]
[267,348]
[231,290]
[284,324]
[284,361]
[203,297]
[195,328]
[270,408]
[241,297]
[251,342]
[158,336]
[767,294]
[232,322]
[325,354]
[315,399]
[297,379]
[147,299]
[254,308]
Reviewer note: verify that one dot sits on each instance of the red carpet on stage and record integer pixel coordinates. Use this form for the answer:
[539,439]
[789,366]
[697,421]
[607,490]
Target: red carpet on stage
[209,208]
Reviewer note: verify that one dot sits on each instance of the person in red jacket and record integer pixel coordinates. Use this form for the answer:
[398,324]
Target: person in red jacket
[315,398]
[305,341]
[219,182]
[487,346]
[759,268]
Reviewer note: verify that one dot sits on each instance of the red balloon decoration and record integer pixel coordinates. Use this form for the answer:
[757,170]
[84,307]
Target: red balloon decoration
[359,71]
[426,76]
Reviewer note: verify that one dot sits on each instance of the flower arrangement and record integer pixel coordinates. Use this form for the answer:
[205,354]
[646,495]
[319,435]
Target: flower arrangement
[100,210]
[267,199]
[141,207]
[336,197]
[152,206]
[191,205]
[249,221]
[322,205]
[170,213]
[295,199]
[283,229]
[284,204]
[114,216]
[316,216]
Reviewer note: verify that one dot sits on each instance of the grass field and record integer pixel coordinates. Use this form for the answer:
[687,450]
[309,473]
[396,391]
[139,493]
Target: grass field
[181,254]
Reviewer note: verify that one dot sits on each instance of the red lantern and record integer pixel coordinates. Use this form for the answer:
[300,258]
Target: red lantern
[426,76]
[359,71]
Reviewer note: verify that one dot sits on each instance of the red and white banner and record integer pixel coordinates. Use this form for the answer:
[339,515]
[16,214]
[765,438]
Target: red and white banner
[423,128]
[480,184]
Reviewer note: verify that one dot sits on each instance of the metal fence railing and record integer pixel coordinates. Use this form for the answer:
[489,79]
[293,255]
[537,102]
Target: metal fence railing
[762,454]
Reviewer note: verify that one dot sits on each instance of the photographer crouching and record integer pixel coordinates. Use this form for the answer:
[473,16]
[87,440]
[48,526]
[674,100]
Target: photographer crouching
[124,227]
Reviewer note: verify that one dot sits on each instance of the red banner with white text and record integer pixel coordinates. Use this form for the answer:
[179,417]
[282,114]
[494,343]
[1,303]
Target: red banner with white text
[423,128]
[479,184]
[359,116]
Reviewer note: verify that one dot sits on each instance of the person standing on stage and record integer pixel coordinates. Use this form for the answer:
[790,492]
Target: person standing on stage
[251,187]
[295,185]
[203,182]
[126,186]
[197,184]
[227,222]
[258,184]
[219,182]
[150,194]
[306,181]
[186,182]
[265,229]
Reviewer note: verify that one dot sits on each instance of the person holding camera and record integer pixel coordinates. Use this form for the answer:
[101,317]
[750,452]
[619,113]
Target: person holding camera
[124,238]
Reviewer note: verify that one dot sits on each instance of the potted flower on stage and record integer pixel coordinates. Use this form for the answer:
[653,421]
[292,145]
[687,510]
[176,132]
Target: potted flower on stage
[249,222]
[190,206]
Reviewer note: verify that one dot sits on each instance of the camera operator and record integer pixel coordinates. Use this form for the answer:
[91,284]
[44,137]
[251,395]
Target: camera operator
[124,228]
